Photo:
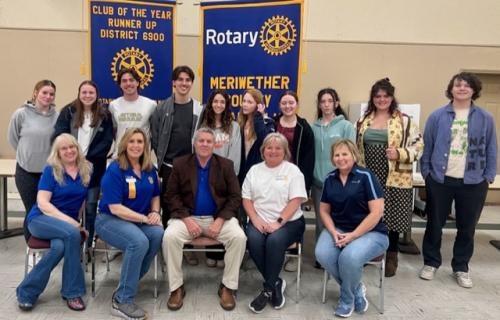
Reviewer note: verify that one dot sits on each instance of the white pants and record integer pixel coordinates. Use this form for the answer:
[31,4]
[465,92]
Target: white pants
[231,236]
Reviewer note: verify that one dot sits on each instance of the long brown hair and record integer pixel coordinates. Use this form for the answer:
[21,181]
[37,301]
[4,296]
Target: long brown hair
[243,118]
[209,114]
[98,112]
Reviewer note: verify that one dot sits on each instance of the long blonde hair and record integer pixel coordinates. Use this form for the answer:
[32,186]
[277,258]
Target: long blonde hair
[54,160]
[243,118]
[144,160]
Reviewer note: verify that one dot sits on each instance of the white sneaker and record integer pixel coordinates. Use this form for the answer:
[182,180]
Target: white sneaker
[427,272]
[211,263]
[463,279]
[221,264]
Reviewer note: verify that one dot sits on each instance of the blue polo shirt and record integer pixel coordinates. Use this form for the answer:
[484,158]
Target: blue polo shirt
[204,202]
[67,197]
[349,203]
[125,187]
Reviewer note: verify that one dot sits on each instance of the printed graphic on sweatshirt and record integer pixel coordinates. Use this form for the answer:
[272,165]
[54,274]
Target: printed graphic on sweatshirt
[221,139]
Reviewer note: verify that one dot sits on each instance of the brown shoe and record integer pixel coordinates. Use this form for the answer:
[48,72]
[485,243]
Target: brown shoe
[176,298]
[226,295]
[391,264]
[191,258]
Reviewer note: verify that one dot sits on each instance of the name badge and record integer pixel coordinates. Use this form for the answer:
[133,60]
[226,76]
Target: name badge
[281,178]
[132,192]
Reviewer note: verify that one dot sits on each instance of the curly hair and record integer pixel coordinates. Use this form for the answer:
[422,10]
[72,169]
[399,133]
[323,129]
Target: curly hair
[471,80]
[385,86]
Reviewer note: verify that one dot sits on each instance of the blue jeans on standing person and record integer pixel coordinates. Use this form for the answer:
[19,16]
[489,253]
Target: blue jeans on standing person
[345,265]
[90,212]
[140,244]
[268,250]
[64,242]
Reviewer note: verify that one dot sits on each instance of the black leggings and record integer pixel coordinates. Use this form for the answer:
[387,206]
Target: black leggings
[27,185]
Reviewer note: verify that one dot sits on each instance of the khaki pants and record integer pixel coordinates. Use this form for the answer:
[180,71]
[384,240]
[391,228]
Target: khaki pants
[231,236]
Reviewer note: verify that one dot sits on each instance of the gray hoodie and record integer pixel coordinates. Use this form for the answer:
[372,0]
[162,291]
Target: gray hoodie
[29,133]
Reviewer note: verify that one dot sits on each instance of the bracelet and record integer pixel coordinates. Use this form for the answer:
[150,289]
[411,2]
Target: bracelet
[157,212]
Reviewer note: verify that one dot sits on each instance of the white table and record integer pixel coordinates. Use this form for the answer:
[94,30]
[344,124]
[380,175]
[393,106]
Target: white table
[7,169]
[419,182]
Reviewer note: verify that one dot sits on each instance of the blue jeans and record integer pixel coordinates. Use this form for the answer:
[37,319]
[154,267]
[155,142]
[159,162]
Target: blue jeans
[64,242]
[345,265]
[90,212]
[268,250]
[140,244]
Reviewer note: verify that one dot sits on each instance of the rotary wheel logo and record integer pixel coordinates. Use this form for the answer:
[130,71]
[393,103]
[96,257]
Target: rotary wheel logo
[278,35]
[137,59]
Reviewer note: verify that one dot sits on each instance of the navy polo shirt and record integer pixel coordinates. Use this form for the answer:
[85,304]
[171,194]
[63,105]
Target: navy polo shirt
[204,202]
[67,197]
[349,203]
[125,187]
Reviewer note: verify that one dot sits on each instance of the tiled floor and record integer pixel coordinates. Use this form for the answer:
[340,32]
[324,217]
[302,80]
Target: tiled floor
[407,297]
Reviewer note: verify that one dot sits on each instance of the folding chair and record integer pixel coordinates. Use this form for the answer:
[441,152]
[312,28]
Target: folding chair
[379,263]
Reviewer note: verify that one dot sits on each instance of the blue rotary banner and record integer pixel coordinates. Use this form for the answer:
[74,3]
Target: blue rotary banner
[251,44]
[132,34]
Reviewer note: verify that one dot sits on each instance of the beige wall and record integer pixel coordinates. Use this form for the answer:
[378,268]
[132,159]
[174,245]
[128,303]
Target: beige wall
[349,45]
[419,72]
[400,21]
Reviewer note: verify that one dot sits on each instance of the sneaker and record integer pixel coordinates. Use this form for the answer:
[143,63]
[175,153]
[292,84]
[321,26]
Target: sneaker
[343,310]
[259,303]
[221,264]
[278,298]
[427,272]
[25,306]
[129,311]
[291,265]
[360,301]
[191,258]
[211,263]
[463,279]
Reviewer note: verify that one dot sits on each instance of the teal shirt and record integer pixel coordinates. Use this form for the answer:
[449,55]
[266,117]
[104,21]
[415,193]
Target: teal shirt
[376,136]
[324,137]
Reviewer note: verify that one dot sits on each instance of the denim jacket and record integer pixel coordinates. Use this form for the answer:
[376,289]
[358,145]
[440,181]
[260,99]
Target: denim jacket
[481,162]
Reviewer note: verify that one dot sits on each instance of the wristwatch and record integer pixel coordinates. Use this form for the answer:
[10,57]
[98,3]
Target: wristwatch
[280,220]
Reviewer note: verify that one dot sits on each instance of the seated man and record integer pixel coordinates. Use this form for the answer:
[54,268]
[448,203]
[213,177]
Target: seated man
[204,197]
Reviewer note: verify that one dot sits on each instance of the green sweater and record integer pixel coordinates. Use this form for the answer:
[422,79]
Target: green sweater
[324,137]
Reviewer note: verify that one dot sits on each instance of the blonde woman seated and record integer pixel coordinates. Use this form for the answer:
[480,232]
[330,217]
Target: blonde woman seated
[129,217]
[351,209]
[272,193]
[55,217]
